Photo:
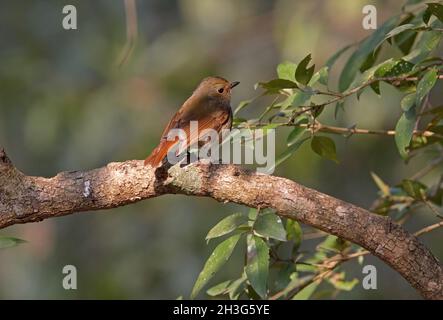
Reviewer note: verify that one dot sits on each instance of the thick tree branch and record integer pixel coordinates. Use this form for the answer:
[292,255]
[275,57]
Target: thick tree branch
[26,199]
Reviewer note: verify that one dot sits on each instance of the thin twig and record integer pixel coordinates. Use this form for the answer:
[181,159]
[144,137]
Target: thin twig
[428,229]
[431,166]
[341,130]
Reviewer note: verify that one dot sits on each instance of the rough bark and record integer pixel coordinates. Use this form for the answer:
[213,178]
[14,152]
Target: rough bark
[26,199]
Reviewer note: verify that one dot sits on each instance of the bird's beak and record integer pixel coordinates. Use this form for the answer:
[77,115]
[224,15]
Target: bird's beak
[233,84]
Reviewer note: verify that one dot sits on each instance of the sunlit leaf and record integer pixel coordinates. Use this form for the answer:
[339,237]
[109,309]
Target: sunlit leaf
[384,188]
[274,86]
[306,292]
[286,70]
[216,260]
[219,289]
[400,67]
[339,282]
[414,189]
[370,73]
[269,225]
[237,287]
[257,266]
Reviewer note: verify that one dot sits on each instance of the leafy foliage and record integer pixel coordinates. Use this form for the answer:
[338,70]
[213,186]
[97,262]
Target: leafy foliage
[275,267]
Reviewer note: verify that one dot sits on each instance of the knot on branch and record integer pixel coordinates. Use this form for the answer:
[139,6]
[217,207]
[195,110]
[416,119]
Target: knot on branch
[190,179]
[4,160]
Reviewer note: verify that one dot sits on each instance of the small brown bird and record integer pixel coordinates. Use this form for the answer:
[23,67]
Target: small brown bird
[209,105]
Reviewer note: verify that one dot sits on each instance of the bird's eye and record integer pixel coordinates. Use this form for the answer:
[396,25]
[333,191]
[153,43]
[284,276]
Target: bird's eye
[220,90]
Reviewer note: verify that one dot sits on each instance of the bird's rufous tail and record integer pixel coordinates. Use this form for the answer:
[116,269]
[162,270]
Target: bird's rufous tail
[159,153]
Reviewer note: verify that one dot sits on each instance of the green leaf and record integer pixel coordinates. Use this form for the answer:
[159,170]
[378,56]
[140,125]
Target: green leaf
[324,147]
[316,110]
[296,99]
[321,76]
[405,40]
[408,102]
[306,292]
[428,41]
[294,232]
[227,225]
[380,68]
[427,15]
[8,242]
[270,225]
[352,66]
[399,30]
[286,70]
[334,243]
[275,85]
[295,135]
[384,188]
[237,287]
[331,61]
[339,282]
[216,260]
[399,68]
[410,2]
[219,289]
[436,9]
[404,131]
[281,278]
[303,74]
[252,215]
[370,60]
[425,85]
[257,266]
[414,189]
[338,106]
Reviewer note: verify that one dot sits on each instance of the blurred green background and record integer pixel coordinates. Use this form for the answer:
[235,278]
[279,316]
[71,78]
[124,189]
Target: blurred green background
[67,103]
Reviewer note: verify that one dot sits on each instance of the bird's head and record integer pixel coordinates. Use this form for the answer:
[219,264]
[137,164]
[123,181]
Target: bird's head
[216,87]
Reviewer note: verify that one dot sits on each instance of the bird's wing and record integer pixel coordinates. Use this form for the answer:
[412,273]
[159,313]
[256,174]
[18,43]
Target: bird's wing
[215,119]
